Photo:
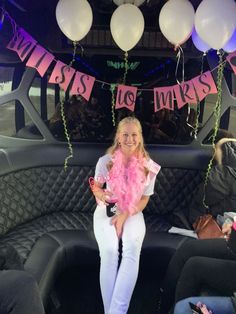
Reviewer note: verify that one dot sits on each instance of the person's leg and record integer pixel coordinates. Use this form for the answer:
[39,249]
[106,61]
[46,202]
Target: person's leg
[215,248]
[219,305]
[132,238]
[199,272]
[108,244]
[19,293]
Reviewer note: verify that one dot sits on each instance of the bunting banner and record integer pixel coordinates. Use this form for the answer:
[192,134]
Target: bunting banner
[231,58]
[190,92]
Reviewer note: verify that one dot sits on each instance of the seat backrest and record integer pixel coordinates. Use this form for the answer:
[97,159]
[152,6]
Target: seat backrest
[37,184]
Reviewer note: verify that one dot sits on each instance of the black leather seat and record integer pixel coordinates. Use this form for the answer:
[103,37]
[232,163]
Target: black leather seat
[46,212]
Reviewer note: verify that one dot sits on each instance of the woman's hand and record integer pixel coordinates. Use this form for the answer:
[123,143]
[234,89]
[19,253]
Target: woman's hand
[102,195]
[203,308]
[118,222]
[226,229]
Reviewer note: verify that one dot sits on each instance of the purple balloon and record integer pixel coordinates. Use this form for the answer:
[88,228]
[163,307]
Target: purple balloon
[199,43]
[230,46]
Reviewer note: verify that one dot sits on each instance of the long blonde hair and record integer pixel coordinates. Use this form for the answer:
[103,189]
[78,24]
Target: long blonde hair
[141,151]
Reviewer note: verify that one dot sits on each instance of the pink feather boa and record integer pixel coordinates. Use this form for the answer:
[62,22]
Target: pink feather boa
[127,181]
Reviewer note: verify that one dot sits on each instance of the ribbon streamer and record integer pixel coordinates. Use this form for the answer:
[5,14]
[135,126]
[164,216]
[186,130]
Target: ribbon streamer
[180,54]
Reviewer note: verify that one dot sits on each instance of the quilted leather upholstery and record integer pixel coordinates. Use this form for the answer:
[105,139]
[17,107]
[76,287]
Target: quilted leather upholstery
[28,194]
[31,193]
[46,212]
[25,236]
[44,199]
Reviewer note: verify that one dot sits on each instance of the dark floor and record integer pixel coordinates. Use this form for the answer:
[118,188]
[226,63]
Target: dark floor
[79,293]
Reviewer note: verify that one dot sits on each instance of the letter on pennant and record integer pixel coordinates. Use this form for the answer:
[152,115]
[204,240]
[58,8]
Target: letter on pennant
[62,75]
[163,98]
[22,43]
[185,93]
[126,97]
[204,84]
[40,59]
[82,85]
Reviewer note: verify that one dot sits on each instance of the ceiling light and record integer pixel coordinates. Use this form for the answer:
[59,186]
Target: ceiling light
[135,2]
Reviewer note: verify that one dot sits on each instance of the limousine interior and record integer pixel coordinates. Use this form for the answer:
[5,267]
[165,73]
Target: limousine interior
[46,208]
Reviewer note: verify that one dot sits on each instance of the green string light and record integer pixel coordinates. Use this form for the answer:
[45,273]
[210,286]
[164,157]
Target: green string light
[126,66]
[112,89]
[66,135]
[217,111]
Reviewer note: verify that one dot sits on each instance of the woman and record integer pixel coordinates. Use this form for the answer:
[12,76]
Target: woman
[220,191]
[207,263]
[130,175]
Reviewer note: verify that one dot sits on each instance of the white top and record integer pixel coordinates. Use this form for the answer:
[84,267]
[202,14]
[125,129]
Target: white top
[101,173]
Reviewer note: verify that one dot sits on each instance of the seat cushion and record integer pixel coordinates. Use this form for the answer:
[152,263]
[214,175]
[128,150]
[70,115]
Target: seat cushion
[24,237]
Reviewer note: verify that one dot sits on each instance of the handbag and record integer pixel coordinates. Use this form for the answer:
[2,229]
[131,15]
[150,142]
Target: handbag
[206,227]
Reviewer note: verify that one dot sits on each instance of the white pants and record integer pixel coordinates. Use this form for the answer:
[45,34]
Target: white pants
[117,285]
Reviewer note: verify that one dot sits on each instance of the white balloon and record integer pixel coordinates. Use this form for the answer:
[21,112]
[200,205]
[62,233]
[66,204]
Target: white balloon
[215,21]
[199,43]
[176,21]
[127,26]
[118,2]
[230,46]
[138,2]
[74,18]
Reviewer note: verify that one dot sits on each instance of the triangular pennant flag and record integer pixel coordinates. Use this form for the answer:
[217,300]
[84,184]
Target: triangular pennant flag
[163,98]
[62,75]
[22,43]
[185,93]
[231,58]
[82,85]
[126,97]
[40,59]
[204,84]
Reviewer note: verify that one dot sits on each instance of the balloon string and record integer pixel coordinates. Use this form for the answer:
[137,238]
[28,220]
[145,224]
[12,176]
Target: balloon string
[180,54]
[112,89]
[196,125]
[126,66]
[196,122]
[202,61]
[81,48]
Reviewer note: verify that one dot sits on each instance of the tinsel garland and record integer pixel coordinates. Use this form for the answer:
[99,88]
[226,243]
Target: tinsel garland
[112,89]
[63,117]
[217,111]
[126,67]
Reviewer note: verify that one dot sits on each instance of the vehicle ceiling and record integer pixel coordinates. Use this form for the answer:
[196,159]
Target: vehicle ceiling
[156,62]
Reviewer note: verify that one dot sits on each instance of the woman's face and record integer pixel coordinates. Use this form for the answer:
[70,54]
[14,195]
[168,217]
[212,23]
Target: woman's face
[129,138]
